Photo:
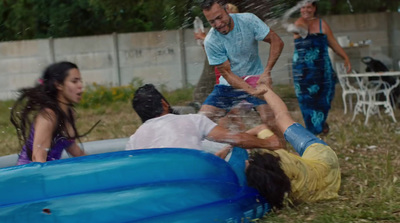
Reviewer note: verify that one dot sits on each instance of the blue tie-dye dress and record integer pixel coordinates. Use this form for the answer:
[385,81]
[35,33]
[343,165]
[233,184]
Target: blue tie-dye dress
[314,79]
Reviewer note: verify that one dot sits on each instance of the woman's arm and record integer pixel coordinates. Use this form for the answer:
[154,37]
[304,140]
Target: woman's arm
[335,45]
[75,150]
[275,50]
[282,116]
[243,140]
[45,123]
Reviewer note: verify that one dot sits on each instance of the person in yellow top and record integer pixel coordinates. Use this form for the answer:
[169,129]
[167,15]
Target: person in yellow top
[311,175]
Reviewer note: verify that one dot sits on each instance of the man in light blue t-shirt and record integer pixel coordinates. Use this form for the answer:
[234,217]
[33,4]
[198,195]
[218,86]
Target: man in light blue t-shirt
[232,46]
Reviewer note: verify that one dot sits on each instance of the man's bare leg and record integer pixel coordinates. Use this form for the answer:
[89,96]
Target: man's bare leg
[231,120]
[212,112]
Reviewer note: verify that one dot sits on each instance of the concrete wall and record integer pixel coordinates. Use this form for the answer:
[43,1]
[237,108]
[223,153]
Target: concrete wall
[21,63]
[381,28]
[172,58]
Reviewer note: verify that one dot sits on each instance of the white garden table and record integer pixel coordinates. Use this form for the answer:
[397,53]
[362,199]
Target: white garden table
[368,103]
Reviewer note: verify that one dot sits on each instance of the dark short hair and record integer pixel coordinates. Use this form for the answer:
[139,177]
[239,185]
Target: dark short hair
[265,174]
[147,102]
[207,4]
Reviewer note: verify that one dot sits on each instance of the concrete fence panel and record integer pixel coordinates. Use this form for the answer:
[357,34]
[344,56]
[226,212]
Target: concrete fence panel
[172,58]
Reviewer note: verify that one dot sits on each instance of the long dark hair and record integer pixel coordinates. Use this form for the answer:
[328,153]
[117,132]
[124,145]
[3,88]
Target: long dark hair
[38,99]
[265,174]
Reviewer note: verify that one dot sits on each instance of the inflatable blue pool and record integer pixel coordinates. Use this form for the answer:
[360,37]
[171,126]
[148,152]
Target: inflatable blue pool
[153,185]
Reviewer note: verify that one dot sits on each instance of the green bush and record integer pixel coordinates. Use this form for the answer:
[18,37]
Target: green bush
[96,95]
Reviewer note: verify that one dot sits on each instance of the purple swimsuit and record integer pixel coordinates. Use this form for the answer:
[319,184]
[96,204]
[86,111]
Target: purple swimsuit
[59,144]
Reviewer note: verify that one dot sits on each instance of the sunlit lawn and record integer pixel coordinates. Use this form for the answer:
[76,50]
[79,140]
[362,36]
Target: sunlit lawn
[369,159]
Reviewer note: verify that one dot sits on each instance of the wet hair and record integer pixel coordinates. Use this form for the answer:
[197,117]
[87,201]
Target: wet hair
[207,4]
[265,174]
[147,102]
[38,99]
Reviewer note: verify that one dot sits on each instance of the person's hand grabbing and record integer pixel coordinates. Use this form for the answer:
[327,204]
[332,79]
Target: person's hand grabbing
[260,90]
[200,35]
[266,79]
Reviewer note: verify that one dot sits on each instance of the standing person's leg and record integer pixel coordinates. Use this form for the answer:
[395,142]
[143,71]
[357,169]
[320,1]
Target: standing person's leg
[327,95]
[221,100]
[233,120]
[212,112]
[216,104]
[306,104]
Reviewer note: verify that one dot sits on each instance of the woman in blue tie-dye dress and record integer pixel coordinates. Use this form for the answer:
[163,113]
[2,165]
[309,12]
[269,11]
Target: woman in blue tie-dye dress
[313,76]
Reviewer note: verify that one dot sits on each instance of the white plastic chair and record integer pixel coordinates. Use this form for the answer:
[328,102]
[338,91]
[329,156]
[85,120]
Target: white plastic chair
[347,87]
[369,99]
[375,89]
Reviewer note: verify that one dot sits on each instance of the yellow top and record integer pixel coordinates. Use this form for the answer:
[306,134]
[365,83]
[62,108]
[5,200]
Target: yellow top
[314,176]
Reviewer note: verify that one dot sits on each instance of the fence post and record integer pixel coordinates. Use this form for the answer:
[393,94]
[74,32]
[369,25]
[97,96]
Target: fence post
[117,69]
[393,38]
[51,49]
[182,49]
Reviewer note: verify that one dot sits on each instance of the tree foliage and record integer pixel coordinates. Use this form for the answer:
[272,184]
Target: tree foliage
[30,19]
[267,9]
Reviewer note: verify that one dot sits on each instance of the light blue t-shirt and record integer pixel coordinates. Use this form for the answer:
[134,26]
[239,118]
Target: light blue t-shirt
[239,46]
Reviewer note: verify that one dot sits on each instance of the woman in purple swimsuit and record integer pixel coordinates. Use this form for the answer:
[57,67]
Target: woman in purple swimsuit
[44,116]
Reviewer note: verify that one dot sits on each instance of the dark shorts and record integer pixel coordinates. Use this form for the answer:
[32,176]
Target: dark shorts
[226,97]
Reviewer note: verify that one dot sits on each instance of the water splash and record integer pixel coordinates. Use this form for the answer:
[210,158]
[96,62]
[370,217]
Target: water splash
[292,10]
[291,27]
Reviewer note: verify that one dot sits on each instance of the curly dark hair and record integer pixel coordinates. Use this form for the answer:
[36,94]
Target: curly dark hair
[265,174]
[147,102]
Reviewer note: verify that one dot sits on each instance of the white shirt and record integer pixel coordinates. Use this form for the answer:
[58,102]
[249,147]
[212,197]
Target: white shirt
[172,131]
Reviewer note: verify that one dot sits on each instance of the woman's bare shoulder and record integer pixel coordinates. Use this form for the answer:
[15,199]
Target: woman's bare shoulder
[301,21]
[325,26]
[48,114]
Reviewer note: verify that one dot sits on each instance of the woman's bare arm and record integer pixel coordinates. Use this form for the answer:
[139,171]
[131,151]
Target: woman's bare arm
[45,123]
[335,45]
[243,140]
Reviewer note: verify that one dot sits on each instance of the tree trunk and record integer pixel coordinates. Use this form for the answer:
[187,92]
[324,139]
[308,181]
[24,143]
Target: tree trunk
[206,83]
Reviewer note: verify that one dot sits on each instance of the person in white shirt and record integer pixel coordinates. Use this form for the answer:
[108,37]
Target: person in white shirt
[163,128]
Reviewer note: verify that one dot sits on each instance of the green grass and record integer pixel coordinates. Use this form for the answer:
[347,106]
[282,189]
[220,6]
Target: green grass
[368,155]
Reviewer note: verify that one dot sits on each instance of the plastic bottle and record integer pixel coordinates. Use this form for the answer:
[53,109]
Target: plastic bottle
[198,27]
